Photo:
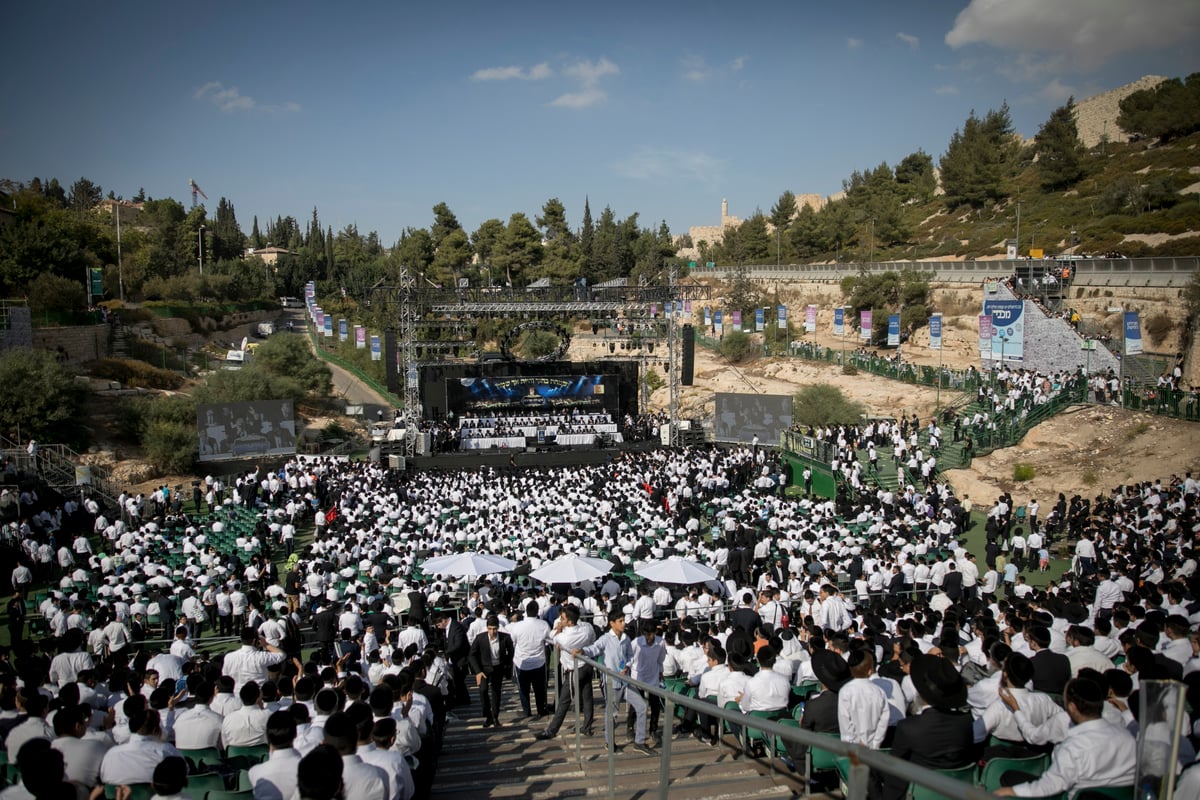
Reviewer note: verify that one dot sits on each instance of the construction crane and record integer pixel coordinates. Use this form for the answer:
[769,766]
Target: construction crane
[196,190]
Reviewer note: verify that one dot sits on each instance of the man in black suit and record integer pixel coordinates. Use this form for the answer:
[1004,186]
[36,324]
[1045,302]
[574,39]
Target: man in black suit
[491,658]
[940,737]
[952,584]
[456,653]
[325,625]
[896,588]
[821,712]
[745,617]
[1051,670]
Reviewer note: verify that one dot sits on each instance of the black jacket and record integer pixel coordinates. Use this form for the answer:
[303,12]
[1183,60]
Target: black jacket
[1051,671]
[934,738]
[480,656]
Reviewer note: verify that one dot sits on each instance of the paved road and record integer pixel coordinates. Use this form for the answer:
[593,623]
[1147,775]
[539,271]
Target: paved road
[345,385]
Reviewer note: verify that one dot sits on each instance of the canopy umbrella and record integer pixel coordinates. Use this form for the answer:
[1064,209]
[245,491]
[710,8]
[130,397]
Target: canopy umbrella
[676,570]
[467,564]
[571,569]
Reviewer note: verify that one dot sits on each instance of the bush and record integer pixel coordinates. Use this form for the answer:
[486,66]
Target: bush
[736,347]
[170,446]
[42,398]
[1158,328]
[1089,477]
[824,404]
[1023,472]
[290,357]
[50,292]
[137,374]
[654,380]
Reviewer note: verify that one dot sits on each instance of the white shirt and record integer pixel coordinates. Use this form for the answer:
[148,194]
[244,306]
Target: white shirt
[399,774]
[245,727]
[249,664]
[275,778]
[82,758]
[364,781]
[767,690]
[1094,753]
[198,728]
[134,762]
[529,642]
[863,713]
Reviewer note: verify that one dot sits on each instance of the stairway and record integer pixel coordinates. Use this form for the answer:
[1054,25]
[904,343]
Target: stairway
[509,762]
[120,342]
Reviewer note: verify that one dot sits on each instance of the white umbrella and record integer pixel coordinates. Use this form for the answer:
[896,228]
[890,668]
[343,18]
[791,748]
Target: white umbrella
[676,570]
[571,569]
[467,564]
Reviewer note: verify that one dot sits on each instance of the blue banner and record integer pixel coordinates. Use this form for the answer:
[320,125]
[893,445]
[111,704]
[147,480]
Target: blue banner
[782,315]
[759,319]
[708,318]
[893,330]
[935,332]
[328,326]
[717,316]
[1008,329]
[1133,334]
[839,322]
[343,330]
[376,349]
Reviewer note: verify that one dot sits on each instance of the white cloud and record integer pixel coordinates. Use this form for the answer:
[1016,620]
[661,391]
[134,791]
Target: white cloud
[230,99]
[737,64]
[1056,92]
[1084,33]
[589,73]
[695,68]
[946,90]
[586,98]
[853,44]
[535,73]
[658,163]
[910,40]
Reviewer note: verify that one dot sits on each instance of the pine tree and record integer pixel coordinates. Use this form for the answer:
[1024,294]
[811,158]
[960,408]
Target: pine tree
[1059,148]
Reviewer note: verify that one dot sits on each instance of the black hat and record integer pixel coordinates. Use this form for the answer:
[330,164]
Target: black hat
[1075,613]
[938,682]
[831,669]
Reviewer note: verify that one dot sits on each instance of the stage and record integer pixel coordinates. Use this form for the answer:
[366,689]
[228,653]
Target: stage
[548,456]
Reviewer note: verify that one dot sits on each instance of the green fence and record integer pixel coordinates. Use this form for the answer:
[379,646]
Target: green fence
[333,358]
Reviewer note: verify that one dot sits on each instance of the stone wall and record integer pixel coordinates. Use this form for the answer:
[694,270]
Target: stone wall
[80,342]
[1096,116]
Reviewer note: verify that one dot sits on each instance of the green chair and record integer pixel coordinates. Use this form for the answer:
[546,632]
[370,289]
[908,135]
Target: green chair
[755,735]
[781,745]
[819,760]
[803,690]
[243,781]
[1111,792]
[965,774]
[198,785]
[989,774]
[252,755]
[203,757]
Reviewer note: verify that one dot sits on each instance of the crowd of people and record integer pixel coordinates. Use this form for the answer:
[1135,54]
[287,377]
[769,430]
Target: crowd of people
[862,615]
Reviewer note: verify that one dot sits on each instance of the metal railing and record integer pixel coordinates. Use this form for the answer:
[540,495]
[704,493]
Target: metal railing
[862,759]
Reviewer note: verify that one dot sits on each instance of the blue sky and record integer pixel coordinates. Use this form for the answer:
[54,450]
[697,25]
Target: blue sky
[374,112]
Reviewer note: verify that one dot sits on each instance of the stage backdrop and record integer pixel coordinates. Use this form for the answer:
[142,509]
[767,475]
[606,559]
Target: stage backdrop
[740,417]
[240,430]
[551,386]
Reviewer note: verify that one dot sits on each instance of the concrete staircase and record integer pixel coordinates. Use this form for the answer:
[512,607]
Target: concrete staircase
[480,762]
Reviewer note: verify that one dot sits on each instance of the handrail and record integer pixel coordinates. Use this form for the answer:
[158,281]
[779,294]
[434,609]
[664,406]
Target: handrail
[862,759]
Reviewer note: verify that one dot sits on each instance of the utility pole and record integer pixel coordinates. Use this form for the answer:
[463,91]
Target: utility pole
[120,270]
[1018,228]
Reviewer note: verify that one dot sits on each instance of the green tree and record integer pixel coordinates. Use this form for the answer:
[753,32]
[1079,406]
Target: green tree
[822,404]
[228,241]
[451,259]
[444,223]
[85,196]
[519,250]
[806,235]
[783,211]
[561,258]
[587,235]
[485,239]
[914,176]
[415,250]
[290,356]
[979,159]
[1059,149]
[50,292]
[43,400]
[736,347]
[1167,111]
[838,227]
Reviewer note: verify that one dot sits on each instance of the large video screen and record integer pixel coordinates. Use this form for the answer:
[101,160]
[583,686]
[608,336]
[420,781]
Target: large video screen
[246,430]
[526,392]
[741,417]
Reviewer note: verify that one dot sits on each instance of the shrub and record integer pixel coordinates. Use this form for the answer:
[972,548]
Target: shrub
[824,404]
[736,347]
[42,398]
[170,446]
[50,292]
[1158,328]
[1089,477]
[1023,472]
[654,380]
[849,369]
[137,374]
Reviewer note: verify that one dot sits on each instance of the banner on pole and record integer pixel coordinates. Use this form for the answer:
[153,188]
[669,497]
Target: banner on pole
[1133,334]
[935,332]
[893,330]
[985,336]
[865,321]
[376,349]
[839,322]
[737,320]
[810,318]
[343,330]
[759,319]
[781,312]
[360,337]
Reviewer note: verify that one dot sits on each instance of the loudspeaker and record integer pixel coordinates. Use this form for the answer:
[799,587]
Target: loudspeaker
[689,355]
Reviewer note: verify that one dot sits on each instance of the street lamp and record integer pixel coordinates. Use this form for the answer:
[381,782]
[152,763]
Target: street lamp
[200,239]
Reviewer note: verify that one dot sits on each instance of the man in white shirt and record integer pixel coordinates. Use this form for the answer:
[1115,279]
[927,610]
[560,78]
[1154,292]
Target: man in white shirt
[360,780]
[767,690]
[568,637]
[199,727]
[863,713]
[1094,753]
[249,663]
[529,637]
[82,754]
[134,761]
[275,778]
[246,727]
